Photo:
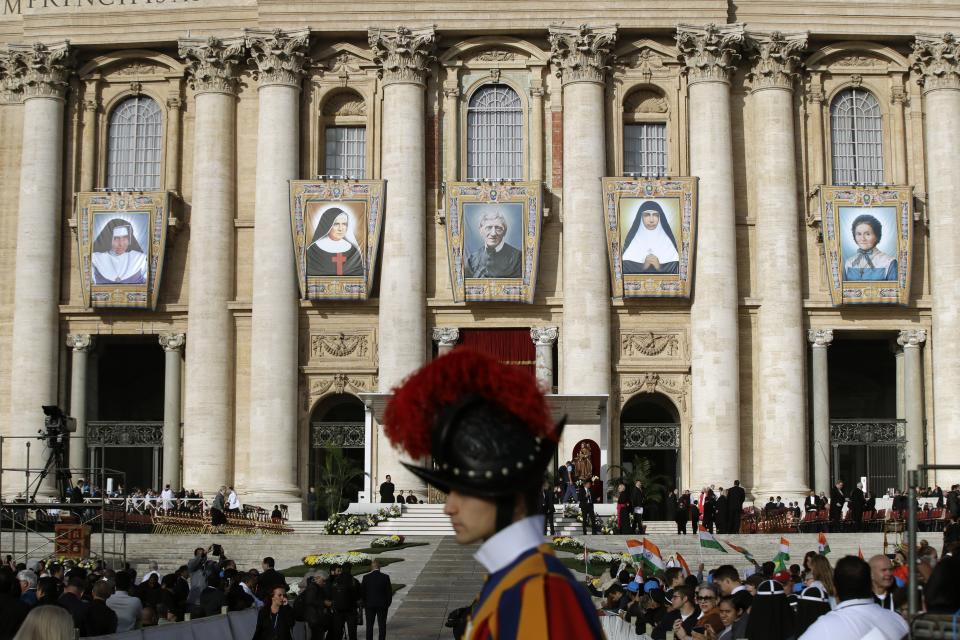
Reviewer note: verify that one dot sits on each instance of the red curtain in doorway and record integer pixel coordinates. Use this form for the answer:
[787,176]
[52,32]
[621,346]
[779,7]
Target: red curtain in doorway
[509,346]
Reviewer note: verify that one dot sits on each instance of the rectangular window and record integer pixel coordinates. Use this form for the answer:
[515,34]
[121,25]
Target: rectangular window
[645,148]
[345,151]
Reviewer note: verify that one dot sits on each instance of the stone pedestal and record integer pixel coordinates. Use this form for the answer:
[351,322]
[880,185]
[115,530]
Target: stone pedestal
[446,339]
[209,403]
[43,72]
[543,339]
[404,56]
[709,54]
[820,340]
[781,420]
[912,341]
[936,60]
[275,323]
[172,344]
[80,344]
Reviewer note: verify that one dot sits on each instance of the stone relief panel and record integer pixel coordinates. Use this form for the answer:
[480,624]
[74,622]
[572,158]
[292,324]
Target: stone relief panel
[345,104]
[645,101]
[498,55]
[343,349]
[643,347]
[317,386]
[674,385]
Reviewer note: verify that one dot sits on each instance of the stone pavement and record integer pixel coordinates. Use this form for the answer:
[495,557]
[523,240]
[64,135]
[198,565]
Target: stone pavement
[450,579]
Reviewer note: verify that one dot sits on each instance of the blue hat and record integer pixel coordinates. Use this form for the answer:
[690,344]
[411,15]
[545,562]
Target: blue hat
[633,587]
[650,584]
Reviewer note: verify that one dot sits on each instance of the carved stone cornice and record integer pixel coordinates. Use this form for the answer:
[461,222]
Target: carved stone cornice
[710,53]
[403,54]
[544,336]
[279,56]
[172,341]
[777,63]
[446,336]
[820,337]
[583,53]
[213,63]
[80,341]
[936,61]
[912,338]
[38,70]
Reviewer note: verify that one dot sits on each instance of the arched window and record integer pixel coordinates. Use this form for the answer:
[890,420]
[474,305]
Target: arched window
[495,134]
[133,145]
[857,137]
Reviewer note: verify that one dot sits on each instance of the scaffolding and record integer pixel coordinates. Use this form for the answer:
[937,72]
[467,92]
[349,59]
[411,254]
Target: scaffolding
[28,528]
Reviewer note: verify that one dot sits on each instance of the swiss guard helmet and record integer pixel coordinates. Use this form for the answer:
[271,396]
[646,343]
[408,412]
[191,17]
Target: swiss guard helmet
[486,426]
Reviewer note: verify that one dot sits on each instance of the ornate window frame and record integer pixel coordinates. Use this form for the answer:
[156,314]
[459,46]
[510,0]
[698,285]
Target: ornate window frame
[109,109]
[468,95]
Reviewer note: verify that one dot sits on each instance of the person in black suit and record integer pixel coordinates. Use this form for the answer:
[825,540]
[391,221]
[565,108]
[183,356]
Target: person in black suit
[269,579]
[377,598]
[637,503]
[585,499]
[549,510]
[101,619]
[683,513]
[836,504]
[721,512]
[386,490]
[12,611]
[857,500]
[694,517]
[343,590]
[70,600]
[563,475]
[810,503]
[735,499]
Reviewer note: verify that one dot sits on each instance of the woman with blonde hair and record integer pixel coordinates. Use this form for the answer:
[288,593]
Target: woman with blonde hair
[46,622]
[821,575]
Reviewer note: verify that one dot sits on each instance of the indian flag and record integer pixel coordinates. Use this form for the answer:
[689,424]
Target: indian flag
[783,556]
[707,541]
[860,552]
[647,554]
[822,545]
[683,565]
[746,554]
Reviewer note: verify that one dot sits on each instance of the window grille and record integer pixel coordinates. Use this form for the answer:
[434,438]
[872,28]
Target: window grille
[645,148]
[346,151]
[857,137]
[495,134]
[133,145]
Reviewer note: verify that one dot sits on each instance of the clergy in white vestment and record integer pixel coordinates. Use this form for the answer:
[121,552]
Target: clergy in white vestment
[117,256]
[650,246]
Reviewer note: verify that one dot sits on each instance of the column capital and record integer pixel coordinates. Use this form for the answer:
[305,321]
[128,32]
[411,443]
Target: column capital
[820,337]
[404,54]
[776,59]
[446,336]
[80,341]
[37,70]
[912,338]
[11,77]
[936,61]
[213,63]
[544,336]
[280,56]
[582,53]
[174,103]
[709,53]
[172,341]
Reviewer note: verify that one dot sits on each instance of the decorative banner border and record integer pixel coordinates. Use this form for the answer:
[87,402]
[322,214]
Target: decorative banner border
[847,291]
[651,285]
[459,197]
[156,204]
[372,193]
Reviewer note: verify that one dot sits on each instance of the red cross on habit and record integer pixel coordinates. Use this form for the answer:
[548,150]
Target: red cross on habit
[339,259]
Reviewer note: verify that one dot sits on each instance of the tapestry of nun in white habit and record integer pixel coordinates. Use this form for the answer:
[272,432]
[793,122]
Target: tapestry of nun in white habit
[117,256]
[650,236]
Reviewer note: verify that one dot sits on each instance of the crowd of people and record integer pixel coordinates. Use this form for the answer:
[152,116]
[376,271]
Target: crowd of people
[811,601]
[387,490]
[101,601]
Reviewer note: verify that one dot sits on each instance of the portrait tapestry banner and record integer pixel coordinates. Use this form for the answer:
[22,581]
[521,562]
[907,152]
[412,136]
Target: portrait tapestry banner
[493,240]
[336,236]
[651,229]
[868,238]
[121,237]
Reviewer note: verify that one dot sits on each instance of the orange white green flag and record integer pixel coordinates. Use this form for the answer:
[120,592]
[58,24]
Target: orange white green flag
[780,561]
[746,554]
[822,545]
[860,552]
[707,541]
[647,554]
[683,565]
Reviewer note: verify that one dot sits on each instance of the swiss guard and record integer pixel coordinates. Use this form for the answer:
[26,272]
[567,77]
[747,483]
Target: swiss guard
[488,430]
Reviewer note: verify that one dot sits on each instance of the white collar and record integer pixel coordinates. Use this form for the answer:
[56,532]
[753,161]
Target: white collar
[498,247]
[738,589]
[855,602]
[505,546]
[333,246]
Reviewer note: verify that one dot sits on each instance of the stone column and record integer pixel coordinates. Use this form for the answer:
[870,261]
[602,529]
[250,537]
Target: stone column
[80,344]
[88,141]
[451,102]
[581,56]
[543,339]
[404,56]
[781,397]
[446,339]
[172,172]
[536,130]
[209,404]
[912,341]
[820,339]
[44,71]
[709,55]
[172,344]
[280,58]
[936,60]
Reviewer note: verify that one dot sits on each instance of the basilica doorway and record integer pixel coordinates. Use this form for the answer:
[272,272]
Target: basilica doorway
[650,440]
[336,452]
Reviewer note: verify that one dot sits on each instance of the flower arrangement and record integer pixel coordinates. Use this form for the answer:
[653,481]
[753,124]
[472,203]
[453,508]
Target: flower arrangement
[572,511]
[387,541]
[69,563]
[604,558]
[347,524]
[566,543]
[329,559]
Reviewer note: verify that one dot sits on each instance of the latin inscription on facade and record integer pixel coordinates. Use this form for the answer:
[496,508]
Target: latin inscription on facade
[17,7]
